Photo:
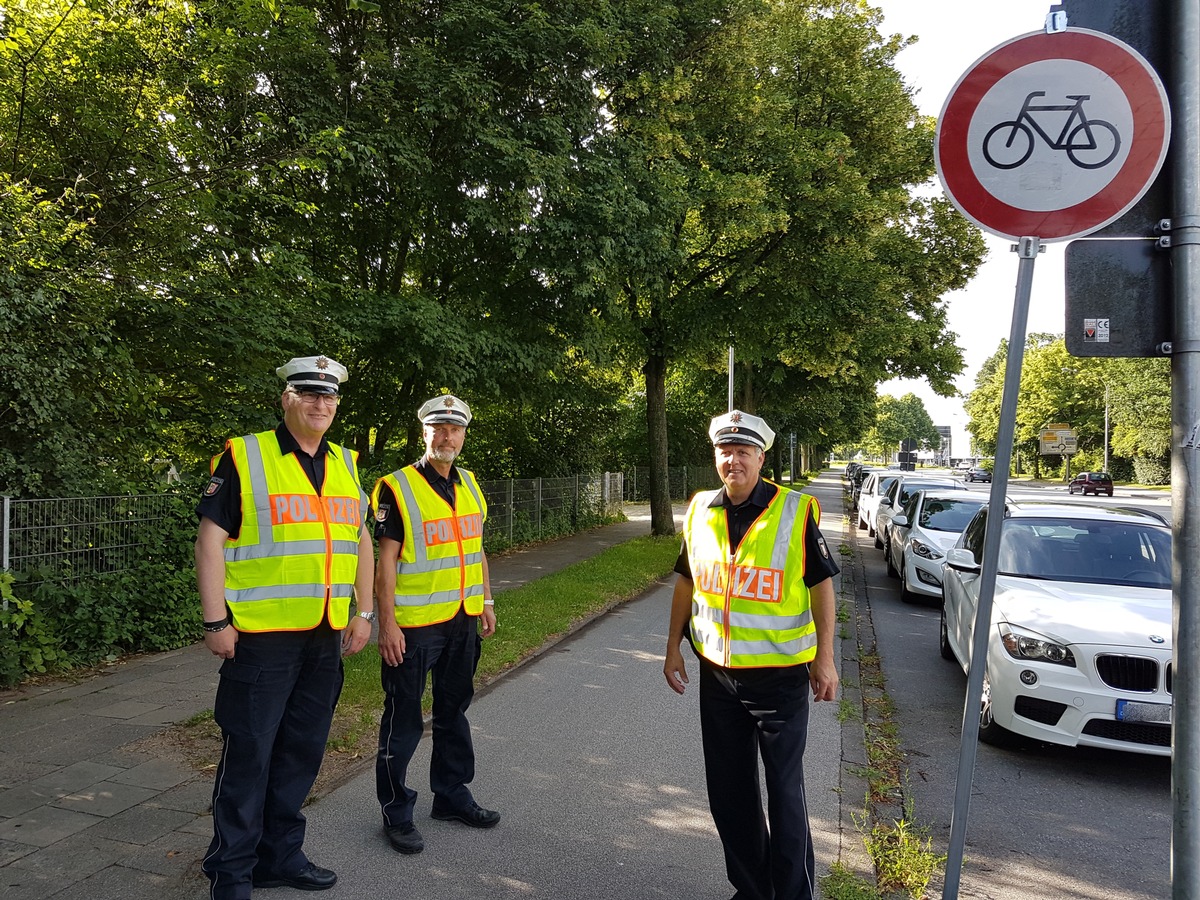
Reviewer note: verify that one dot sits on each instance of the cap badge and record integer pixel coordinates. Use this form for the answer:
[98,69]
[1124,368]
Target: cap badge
[735,417]
[448,402]
[322,362]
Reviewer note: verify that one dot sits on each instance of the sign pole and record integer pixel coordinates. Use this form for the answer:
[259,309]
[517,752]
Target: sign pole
[1185,455]
[1028,248]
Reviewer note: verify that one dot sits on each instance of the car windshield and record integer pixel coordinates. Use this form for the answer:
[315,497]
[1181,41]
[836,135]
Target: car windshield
[1086,550]
[948,515]
[907,489]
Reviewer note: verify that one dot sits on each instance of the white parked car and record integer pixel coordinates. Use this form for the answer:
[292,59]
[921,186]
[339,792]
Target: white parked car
[1079,646]
[897,495]
[922,532]
[872,492]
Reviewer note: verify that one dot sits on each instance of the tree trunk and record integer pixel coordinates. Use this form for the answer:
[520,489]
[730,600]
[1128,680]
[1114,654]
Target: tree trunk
[662,519]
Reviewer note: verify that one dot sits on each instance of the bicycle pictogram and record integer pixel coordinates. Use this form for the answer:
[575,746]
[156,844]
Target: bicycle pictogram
[1089,143]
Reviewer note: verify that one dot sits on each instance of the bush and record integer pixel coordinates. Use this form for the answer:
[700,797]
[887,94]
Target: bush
[1152,471]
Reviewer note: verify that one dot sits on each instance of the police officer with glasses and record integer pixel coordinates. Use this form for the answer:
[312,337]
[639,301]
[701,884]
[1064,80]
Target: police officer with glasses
[281,553]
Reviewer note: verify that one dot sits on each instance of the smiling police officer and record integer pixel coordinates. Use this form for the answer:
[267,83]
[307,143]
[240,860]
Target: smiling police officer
[282,546]
[433,588]
[755,600]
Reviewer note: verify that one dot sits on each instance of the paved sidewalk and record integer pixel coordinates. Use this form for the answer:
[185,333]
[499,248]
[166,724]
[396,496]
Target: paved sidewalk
[581,748]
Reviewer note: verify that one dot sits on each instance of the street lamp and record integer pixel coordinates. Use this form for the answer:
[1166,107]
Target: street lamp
[1106,426]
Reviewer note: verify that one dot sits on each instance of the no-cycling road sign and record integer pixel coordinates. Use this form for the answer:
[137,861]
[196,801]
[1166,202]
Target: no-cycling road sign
[1053,135]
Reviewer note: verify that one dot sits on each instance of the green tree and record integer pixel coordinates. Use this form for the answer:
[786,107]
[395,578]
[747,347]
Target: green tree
[766,167]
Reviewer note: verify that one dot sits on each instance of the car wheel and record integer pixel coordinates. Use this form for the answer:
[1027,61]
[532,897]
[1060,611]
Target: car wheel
[906,596]
[887,558]
[989,731]
[944,636]
[878,538]
[1110,493]
[861,524]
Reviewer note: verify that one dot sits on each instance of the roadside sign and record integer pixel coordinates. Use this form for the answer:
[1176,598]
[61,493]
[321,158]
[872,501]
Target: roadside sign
[1118,298]
[1057,439]
[1053,136]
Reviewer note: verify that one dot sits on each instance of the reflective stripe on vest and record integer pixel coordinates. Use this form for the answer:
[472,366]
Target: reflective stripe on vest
[751,610]
[296,554]
[440,567]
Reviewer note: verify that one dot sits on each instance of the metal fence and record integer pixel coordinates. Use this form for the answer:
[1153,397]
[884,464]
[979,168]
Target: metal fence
[79,536]
[684,481]
[67,539]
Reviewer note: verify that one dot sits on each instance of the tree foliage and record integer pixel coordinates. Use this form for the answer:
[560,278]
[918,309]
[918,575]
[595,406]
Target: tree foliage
[1057,388]
[563,212]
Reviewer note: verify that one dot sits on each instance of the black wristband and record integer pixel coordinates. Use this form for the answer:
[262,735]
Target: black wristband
[218,625]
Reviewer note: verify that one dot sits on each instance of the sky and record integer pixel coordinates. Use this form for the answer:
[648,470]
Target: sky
[952,35]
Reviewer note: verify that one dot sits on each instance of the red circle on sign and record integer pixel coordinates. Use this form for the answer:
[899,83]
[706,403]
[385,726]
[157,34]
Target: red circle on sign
[1151,131]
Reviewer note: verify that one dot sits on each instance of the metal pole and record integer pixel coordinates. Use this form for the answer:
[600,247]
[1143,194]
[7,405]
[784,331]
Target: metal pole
[1185,462]
[1106,426]
[1028,248]
[730,378]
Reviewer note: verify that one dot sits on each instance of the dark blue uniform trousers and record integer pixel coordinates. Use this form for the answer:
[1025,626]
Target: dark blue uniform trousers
[274,705]
[744,712]
[450,652]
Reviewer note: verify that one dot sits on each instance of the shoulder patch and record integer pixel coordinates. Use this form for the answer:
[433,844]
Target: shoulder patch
[214,485]
[822,545]
[381,514]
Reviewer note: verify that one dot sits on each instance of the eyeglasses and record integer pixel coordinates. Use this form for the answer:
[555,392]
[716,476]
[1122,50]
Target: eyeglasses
[313,397]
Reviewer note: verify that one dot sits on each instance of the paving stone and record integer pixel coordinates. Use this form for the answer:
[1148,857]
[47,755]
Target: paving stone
[22,799]
[144,824]
[123,709]
[18,772]
[121,883]
[23,884]
[77,858]
[102,736]
[158,774]
[76,776]
[10,850]
[105,798]
[192,796]
[174,855]
[43,826]
[199,825]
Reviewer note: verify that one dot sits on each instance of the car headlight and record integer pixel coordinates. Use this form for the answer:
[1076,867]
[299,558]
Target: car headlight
[924,550]
[1026,645]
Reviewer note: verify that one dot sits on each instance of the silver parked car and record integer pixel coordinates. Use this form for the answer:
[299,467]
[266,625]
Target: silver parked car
[922,532]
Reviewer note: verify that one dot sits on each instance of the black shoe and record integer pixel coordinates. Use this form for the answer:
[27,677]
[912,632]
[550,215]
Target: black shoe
[472,814]
[310,878]
[404,838]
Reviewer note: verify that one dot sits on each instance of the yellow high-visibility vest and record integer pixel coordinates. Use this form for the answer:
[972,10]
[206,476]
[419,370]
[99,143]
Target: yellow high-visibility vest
[751,609]
[440,567]
[296,555]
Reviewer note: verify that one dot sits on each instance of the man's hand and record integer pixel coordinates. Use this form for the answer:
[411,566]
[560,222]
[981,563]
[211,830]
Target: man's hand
[489,621]
[355,635]
[823,677]
[391,642]
[223,643]
[675,670]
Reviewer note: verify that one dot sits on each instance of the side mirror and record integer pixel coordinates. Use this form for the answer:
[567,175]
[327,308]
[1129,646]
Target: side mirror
[961,559]
[900,521]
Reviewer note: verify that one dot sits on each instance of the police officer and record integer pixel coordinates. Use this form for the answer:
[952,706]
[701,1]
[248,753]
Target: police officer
[282,546]
[754,597]
[433,587]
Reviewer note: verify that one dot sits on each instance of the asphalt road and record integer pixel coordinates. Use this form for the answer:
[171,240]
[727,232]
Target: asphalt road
[1044,821]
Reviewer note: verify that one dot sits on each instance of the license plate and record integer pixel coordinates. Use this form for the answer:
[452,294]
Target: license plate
[1136,711]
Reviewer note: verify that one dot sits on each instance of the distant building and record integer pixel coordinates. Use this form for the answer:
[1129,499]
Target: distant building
[945,451]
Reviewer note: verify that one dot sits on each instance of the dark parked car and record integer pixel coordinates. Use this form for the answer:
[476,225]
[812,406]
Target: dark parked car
[975,473]
[1091,483]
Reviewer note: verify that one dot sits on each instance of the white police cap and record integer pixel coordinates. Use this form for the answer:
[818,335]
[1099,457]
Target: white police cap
[446,408]
[737,427]
[314,373]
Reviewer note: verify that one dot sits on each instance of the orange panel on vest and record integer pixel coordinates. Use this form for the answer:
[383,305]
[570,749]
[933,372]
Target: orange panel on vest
[749,582]
[293,509]
[441,531]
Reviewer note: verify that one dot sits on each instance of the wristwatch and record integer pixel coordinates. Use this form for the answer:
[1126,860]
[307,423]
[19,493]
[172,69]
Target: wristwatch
[368,614]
